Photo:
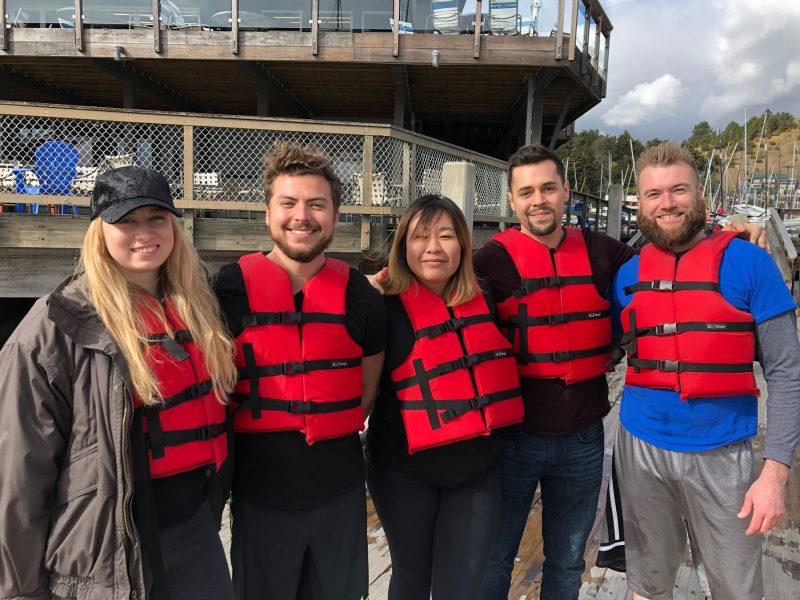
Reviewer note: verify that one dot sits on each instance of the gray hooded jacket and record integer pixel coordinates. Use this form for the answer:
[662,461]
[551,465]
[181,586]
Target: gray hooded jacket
[66,483]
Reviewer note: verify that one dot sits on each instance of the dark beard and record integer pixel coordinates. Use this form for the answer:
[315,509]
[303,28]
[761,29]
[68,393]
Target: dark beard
[693,224]
[541,231]
[303,255]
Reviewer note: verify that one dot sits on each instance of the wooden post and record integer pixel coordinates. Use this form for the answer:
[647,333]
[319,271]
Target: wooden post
[614,214]
[587,15]
[597,29]
[155,9]
[79,25]
[409,158]
[188,162]
[235,25]
[3,37]
[476,46]
[560,30]
[573,30]
[366,191]
[458,184]
[314,27]
[396,29]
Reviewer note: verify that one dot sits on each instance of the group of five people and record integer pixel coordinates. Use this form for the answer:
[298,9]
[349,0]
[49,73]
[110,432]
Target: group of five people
[136,395]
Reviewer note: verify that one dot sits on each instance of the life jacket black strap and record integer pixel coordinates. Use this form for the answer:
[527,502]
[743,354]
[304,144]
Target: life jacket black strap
[298,407]
[187,436]
[668,285]
[463,362]
[193,392]
[251,373]
[674,366]
[534,285]
[456,408]
[694,326]
[156,433]
[453,324]
[558,357]
[172,344]
[296,368]
[555,319]
[288,318]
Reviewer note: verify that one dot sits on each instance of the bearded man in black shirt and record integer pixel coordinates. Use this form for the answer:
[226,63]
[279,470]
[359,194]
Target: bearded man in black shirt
[310,334]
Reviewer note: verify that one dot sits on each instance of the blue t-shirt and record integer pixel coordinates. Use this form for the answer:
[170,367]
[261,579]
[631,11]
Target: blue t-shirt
[750,281]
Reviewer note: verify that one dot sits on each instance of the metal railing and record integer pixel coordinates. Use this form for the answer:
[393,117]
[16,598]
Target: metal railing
[53,154]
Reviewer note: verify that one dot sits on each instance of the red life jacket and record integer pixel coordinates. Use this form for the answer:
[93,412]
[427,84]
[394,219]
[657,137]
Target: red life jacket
[297,370]
[460,380]
[680,333]
[559,324]
[189,429]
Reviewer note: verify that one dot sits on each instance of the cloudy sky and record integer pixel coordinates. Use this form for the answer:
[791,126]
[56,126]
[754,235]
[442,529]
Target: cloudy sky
[674,63]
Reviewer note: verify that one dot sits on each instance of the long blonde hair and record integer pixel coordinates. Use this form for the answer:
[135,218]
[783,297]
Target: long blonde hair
[119,304]
[463,285]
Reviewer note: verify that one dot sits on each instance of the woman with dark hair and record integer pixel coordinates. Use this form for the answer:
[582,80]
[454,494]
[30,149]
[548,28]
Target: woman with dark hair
[112,404]
[449,380]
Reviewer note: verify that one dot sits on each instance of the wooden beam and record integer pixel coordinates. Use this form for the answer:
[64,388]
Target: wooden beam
[402,95]
[58,94]
[560,123]
[127,73]
[273,86]
[535,108]
[605,65]
[188,163]
[128,94]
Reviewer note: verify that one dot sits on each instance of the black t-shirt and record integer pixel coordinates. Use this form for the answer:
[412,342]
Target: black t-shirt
[387,445]
[279,469]
[551,406]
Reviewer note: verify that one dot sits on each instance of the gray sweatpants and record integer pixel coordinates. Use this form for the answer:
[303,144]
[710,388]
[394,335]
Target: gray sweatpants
[665,494]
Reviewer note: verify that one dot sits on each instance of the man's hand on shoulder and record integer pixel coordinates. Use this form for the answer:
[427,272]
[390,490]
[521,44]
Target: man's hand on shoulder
[765,499]
[750,232]
[376,280]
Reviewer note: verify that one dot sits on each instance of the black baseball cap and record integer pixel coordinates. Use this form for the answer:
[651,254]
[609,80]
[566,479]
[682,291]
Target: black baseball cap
[119,191]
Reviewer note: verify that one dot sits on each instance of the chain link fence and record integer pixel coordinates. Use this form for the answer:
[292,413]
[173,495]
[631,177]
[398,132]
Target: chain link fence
[63,155]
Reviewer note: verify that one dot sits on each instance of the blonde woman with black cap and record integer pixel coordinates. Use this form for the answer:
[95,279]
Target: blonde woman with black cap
[113,416]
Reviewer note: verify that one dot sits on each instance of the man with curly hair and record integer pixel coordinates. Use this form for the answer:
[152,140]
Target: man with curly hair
[310,336]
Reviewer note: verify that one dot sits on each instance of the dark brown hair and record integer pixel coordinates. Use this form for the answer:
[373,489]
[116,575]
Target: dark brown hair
[299,159]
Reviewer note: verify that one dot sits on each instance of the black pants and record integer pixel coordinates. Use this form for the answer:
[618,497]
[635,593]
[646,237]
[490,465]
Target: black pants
[272,549]
[194,560]
[439,538]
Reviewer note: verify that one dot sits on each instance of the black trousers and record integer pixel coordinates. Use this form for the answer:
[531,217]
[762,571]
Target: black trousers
[194,560]
[274,551]
[439,538]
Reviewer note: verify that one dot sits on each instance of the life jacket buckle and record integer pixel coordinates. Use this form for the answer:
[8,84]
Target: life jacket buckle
[662,285]
[551,281]
[293,368]
[467,361]
[290,318]
[561,356]
[298,407]
[479,402]
[453,324]
[667,329]
[556,319]
[668,366]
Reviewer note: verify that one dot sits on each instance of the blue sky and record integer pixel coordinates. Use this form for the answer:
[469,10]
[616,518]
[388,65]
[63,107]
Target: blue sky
[674,63]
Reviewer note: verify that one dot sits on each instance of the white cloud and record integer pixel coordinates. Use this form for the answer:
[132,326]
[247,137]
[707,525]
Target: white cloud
[646,102]
[729,53]
[755,58]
